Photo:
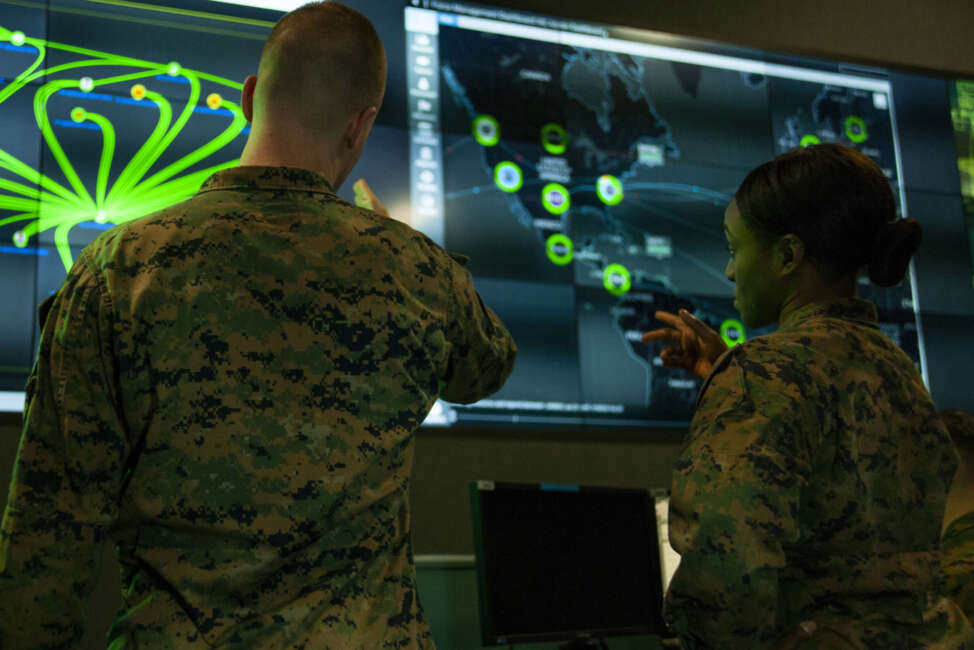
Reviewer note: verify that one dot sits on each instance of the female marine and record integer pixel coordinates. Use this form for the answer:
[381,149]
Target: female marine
[812,482]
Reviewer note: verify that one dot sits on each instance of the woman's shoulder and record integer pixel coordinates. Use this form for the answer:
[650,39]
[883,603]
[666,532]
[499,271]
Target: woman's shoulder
[776,349]
[773,367]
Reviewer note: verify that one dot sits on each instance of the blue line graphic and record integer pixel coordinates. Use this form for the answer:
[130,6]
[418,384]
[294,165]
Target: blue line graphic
[23,251]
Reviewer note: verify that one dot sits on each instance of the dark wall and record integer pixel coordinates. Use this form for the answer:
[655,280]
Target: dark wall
[448,460]
[933,35]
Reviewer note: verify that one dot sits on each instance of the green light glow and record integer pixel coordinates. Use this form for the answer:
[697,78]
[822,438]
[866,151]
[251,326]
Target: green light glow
[41,203]
[617,280]
[733,332]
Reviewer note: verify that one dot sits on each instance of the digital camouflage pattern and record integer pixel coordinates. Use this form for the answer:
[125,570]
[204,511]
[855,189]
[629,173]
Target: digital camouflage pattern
[958,563]
[957,541]
[228,391]
[811,486]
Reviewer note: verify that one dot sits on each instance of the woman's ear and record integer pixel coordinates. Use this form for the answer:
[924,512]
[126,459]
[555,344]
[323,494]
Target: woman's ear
[790,254]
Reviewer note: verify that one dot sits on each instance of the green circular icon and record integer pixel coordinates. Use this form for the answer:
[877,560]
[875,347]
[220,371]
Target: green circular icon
[555,198]
[173,69]
[487,131]
[855,129]
[617,280]
[809,139]
[508,177]
[733,332]
[18,38]
[609,189]
[554,139]
[560,249]
[78,114]
[20,239]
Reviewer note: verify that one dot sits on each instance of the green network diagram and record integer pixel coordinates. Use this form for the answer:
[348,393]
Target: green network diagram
[40,203]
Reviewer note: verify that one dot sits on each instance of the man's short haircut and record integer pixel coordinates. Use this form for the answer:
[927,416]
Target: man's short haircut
[322,60]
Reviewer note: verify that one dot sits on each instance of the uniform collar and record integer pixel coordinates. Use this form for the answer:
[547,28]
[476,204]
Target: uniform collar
[852,309]
[268,178]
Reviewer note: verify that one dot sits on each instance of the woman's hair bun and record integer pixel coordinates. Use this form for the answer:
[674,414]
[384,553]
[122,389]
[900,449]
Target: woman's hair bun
[895,244]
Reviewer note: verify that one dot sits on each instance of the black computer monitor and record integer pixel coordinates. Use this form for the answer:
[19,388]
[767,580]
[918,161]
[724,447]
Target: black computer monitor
[565,562]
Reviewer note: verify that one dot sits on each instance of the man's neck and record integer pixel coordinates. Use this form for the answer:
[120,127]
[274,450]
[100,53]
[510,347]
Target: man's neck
[270,149]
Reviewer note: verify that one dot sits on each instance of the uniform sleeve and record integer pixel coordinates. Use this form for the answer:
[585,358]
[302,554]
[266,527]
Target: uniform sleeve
[482,350]
[67,475]
[733,509]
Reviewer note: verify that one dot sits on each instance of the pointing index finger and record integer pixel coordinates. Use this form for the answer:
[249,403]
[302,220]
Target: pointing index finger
[672,320]
[695,323]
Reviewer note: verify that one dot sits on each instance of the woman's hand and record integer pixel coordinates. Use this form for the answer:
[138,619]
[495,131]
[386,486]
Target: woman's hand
[691,344]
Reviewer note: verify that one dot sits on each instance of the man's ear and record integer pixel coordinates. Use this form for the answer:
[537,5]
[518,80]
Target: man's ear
[790,254]
[359,126]
[247,97]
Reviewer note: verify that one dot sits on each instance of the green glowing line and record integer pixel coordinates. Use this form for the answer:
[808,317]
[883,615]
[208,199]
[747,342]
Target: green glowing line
[187,12]
[107,58]
[144,206]
[214,145]
[14,203]
[128,77]
[18,188]
[148,153]
[10,163]
[119,59]
[107,152]
[44,123]
[152,154]
[40,74]
[141,21]
[51,205]
[24,216]
[220,80]
[189,183]
[61,242]
[31,192]
[50,217]
[194,97]
[21,79]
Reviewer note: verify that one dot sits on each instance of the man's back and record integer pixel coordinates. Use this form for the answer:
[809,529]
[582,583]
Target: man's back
[275,349]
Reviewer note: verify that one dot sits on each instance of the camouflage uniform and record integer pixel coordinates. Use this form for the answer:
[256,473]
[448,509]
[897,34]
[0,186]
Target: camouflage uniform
[958,562]
[957,540]
[811,486]
[228,391]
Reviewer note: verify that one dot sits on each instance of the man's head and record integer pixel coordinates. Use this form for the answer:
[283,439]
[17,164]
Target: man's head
[319,86]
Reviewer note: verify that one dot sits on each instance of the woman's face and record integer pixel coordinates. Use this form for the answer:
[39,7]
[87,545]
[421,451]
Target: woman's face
[757,289]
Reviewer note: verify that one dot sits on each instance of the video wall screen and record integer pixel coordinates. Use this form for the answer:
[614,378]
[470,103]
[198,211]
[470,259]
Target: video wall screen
[109,113]
[962,116]
[584,168]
